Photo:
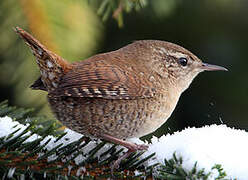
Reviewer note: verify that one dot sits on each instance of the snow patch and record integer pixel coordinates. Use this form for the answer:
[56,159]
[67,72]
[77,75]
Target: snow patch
[208,146]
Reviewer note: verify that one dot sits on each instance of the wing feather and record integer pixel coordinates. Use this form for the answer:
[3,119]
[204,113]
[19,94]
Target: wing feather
[104,81]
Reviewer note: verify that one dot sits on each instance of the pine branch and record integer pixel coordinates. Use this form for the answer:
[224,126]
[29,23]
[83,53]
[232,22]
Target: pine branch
[173,169]
[24,116]
[116,8]
[13,112]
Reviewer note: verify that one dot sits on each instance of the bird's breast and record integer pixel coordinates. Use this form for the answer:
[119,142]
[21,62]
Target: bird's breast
[160,110]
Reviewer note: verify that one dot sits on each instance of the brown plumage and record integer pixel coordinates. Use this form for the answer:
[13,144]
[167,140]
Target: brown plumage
[125,93]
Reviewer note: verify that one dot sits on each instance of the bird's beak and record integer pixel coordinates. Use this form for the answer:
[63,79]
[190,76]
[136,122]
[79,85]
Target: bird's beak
[211,67]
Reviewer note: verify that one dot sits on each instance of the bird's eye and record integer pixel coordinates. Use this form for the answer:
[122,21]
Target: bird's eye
[183,61]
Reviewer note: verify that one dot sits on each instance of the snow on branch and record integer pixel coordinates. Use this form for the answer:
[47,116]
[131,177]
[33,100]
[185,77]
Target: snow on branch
[209,148]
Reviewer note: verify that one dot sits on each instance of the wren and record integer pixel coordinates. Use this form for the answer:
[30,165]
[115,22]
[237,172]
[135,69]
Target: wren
[117,95]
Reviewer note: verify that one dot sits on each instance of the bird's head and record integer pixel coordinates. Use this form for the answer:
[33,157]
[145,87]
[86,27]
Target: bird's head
[174,63]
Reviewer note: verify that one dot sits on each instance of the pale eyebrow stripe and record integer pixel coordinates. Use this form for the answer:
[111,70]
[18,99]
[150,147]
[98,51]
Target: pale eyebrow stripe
[177,54]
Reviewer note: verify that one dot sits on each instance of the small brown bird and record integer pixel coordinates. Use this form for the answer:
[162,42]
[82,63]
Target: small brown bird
[117,95]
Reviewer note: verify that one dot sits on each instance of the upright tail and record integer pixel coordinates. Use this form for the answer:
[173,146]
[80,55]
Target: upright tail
[52,67]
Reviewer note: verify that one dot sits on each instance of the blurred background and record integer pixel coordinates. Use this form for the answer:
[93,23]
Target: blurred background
[214,30]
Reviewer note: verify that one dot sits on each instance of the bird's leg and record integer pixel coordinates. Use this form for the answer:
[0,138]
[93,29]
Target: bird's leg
[132,147]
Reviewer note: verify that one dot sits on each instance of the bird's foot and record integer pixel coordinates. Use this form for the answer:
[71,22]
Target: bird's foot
[131,148]
[135,147]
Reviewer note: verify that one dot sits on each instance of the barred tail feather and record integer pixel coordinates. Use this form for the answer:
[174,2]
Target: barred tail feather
[52,67]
